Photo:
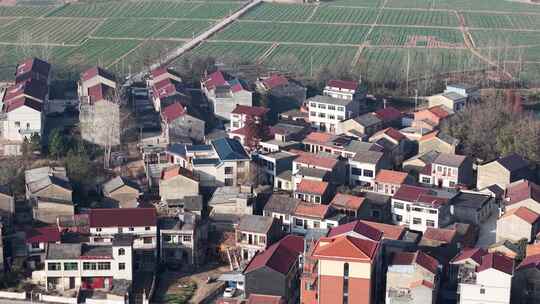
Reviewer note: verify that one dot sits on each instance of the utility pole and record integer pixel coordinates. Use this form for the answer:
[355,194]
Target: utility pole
[408,67]
[415,99]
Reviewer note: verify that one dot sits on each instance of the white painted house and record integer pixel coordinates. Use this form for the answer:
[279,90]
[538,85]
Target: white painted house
[326,113]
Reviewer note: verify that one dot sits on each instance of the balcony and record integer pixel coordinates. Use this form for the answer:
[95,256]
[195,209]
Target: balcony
[466,275]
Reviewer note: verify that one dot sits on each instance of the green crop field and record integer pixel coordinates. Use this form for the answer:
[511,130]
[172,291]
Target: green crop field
[376,35]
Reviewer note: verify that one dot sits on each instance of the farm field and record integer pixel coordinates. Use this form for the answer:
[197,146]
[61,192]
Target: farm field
[375,35]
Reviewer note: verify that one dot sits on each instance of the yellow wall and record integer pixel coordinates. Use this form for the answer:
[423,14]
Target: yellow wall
[335,268]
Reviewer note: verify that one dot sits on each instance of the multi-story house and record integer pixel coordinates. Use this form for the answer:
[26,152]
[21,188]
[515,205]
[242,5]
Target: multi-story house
[471,92]
[165,84]
[33,68]
[419,208]
[483,277]
[99,106]
[274,164]
[37,239]
[275,271]
[448,171]
[452,101]
[255,233]
[242,115]
[387,182]
[517,224]
[284,94]
[178,124]
[140,223]
[183,239]
[439,142]
[94,267]
[503,171]
[326,113]
[525,282]
[393,142]
[282,207]
[362,126]
[309,216]
[365,165]
[412,277]
[313,191]
[224,93]
[340,269]
[176,183]
[430,118]
[344,89]
[321,166]
[522,193]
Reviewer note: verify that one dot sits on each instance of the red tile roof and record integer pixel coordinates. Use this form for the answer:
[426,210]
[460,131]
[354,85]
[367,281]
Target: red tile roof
[388,114]
[522,190]
[35,65]
[439,112]
[439,234]
[122,217]
[264,299]
[533,249]
[530,261]
[409,258]
[319,137]
[474,254]
[47,234]
[347,201]
[391,177]
[312,186]
[392,133]
[172,112]
[311,210]
[164,88]
[100,92]
[392,232]
[275,81]
[496,261]
[251,111]
[359,227]
[158,72]
[281,256]
[410,193]
[176,171]
[427,262]
[215,79]
[22,101]
[345,248]
[315,160]
[343,84]
[523,213]
[95,71]
[31,87]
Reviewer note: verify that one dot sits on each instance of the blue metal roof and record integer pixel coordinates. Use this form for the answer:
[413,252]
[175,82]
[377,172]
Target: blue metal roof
[229,149]
[205,161]
[177,149]
[199,148]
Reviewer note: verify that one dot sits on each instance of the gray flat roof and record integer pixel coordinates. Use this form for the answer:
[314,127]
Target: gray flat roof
[330,100]
[63,251]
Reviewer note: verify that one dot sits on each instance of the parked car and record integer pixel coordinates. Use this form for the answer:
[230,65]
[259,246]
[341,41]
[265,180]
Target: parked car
[229,292]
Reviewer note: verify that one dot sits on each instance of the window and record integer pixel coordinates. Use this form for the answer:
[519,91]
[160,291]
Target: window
[316,224]
[439,168]
[35,245]
[340,117]
[346,270]
[71,266]
[298,222]
[431,211]
[399,205]
[345,283]
[147,228]
[17,124]
[121,266]
[331,107]
[89,266]
[313,105]
[312,113]
[147,240]
[317,199]
[416,221]
[104,265]
[399,218]
[322,106]
[228,170]
[482,291]
[452,184]
[322,115]
[98,229]
[368,173]
[417,209]
[121,251]
[131,229]
[54,266]
[341,109]
[262,239]
[229,182]
[430,223]
[186,238]
[331,117]
[426,180]
[356,171]
[240,164]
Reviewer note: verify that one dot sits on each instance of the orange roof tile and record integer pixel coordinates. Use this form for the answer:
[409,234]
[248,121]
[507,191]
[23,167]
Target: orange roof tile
[319,137]
[523,213]
[439,112]
[390,176]
[393,232]
[316,160]
[392,133]
[173,171]
[264,299]
[345,248]
[347,201]
[312,186]
[440,234]
[311,210]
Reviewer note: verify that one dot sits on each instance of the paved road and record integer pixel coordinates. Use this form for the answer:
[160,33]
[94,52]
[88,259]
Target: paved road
[200,38]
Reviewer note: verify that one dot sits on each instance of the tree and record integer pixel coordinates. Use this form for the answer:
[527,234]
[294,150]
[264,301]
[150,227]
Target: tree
[57,146]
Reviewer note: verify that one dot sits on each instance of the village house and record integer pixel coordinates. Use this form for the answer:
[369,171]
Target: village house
[183,240]
[430,118]
[439,142]
[473,207]
[224,93]
[387,182]
[281,207]
[23,105]
[249,126]
[503,171]
[344,89]
[165,87]
[412,277]
[121,192]
[340,269]
[326,113]
[526,282]
[522,193]
[390,117]
[73,266]
[451,101]
[362,126]
[419,208]
[471,92]
[274,164]
[139,223]
[176,183]
[177,124]
[275,271]
[506,248]
[37,240]
[517,224]
[255,233]
[313,191]
[417,163]
[483,277]
[233,201]
[284,94]
[320,166]
[99,106]
[393,142]
[448,171]
[308,216]
[365,165]
[243,115]
[347,204]
[442,244]
[297,115]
